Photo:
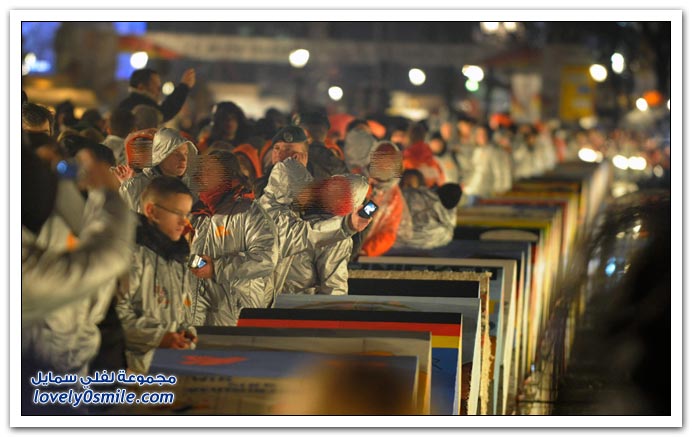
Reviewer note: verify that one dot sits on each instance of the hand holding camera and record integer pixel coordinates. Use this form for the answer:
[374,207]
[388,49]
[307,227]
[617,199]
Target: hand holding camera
[201,266]
[360,220]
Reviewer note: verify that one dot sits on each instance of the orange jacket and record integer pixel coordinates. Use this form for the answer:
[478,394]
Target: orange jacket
[420,157]
[385,222]
[251,153]
[334,148]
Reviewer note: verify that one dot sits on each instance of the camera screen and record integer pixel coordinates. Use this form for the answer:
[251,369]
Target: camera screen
[369,208]
[197,262]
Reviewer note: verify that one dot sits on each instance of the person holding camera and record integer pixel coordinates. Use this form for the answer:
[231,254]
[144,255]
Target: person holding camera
[235,237]
[384,171]
[324,269]
[287,192]
[156,301]
[66,289]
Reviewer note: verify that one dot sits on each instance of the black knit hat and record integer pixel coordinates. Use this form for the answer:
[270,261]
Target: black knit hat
[449,195]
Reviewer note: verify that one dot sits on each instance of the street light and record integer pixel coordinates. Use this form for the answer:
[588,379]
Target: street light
[168,88]
[298,58]
[598,72]
[617,62]
[416,76]
[668,104]
[139,60]
[335,93]
[642,105]
[637,163]
[30,59]
[587,155]
[621,162]
[510,26]
[473,72]
[490,26]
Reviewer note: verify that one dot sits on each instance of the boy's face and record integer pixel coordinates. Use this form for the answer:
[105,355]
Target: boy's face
[175,164]
[170,214]
[282,150]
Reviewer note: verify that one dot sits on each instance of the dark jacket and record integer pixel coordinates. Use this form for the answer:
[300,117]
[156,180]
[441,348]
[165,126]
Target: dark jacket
[322,163]
[170,106]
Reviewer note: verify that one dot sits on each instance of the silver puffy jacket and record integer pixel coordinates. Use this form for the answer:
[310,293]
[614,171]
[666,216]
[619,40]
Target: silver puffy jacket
[433,224]
[165,142]
[324,270]
[51,279]
[295,235]
[158,296]
[241,240]
[358,146]
[67,338]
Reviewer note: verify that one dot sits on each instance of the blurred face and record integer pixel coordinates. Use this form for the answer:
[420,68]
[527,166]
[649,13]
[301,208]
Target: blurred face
[385,165]
[43,128]
[154,86]
[335,196]
[504,142]
[93,172]
[210,174]
[282,150]
[481,136]
[140,156]
[410,181]
[231,127]
[170,214]
[49,153]
[464,129]
[399,137]
[437,146]
[175,164]
[446,131]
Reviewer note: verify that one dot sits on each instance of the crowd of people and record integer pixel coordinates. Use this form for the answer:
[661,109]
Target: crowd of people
[135,231]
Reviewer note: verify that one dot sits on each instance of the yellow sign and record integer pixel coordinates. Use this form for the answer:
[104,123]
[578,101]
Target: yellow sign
[576,93]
